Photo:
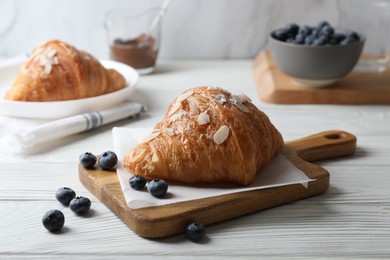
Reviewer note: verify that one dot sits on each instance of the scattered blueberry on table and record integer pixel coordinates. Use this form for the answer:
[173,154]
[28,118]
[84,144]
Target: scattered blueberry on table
[53,220]
[157,188]
[321,35]
[80,205]
[108,160]
[65,195]
[195,231]
[137,182]
[88,160]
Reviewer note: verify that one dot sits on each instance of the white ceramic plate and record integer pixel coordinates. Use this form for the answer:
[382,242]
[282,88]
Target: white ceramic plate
[59,109]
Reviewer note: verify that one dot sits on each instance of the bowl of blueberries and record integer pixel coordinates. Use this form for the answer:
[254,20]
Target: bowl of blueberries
[315,56]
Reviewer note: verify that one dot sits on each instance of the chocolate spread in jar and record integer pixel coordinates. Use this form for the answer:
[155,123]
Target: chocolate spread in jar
[139,53]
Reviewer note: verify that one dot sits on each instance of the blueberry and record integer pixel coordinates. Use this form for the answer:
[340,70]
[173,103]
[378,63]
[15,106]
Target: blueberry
[195,231]
[337,38]
[157,187]
[309,39]
[292,28]
[304,30]
[53,220]
[320,41]
[299,39]
[353,36]
[65,195]
[80,205]
[315,32]
[350,38]
[88,160]
[347,41]
[281,34]
[137,182]
[108,160]
[327,31]
[323,24]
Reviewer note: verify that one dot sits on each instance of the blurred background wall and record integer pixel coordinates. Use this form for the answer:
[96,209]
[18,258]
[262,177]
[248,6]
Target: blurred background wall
[195,29]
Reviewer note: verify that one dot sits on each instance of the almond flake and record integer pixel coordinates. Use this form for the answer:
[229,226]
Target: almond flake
[50,53]
[193,109]
[151,137]
[242,107]
[169,131]
[184,96]
[244,98]
[177,116]
[241,98]
[175,107]
[47,69]
[221,135]
[220,99]
[47,59]
[203,118]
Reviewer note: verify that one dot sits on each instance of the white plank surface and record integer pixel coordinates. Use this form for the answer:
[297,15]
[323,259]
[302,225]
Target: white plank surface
[351,220]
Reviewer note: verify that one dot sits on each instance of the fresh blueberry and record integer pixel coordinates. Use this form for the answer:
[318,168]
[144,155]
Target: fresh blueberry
[65,195]
[292,28]
[281,34]
[53,220]
[316,32]
[327,31]
[350,38]
[299,39]
[80,205]
[353,36]
[195,231]
[137,182]
[323,24]
[347,41]
[157,187]
[304,30]
[320,41]
[309,40]
[337,38]
[88,160]
[108,160]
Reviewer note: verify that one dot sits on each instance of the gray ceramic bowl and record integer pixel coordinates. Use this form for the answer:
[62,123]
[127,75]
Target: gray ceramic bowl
[315,66]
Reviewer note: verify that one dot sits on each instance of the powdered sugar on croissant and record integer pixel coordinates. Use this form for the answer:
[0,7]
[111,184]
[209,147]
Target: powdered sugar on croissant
[209,136]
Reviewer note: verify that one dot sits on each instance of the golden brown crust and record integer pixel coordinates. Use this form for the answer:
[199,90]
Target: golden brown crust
[57,71]
[228,145]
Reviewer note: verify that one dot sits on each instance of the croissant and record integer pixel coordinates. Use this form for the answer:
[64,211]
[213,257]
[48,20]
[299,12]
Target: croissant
[58,71]
[207,136]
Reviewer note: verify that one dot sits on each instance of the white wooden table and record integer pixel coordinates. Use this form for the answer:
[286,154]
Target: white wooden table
[351,220]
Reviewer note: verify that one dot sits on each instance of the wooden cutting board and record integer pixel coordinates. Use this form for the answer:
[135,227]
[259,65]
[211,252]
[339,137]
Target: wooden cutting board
[162,221]
[273,86]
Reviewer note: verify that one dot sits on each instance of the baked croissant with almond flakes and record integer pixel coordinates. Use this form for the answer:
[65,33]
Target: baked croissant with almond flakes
[207,136]
[58,71]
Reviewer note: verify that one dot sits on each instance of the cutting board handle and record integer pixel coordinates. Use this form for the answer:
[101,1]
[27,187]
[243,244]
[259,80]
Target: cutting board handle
[324,145]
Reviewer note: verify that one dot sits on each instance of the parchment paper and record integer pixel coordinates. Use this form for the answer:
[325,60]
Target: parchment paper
[279,172]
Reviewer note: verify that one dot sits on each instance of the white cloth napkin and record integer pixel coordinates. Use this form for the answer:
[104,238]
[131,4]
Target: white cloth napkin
[279,172]
[18,135]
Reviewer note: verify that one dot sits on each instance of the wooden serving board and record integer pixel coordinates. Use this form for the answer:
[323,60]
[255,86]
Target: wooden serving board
[162,221]
[273,86]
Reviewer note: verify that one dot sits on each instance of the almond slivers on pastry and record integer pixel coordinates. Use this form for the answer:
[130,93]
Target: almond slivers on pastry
[57,71]
[207,136]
